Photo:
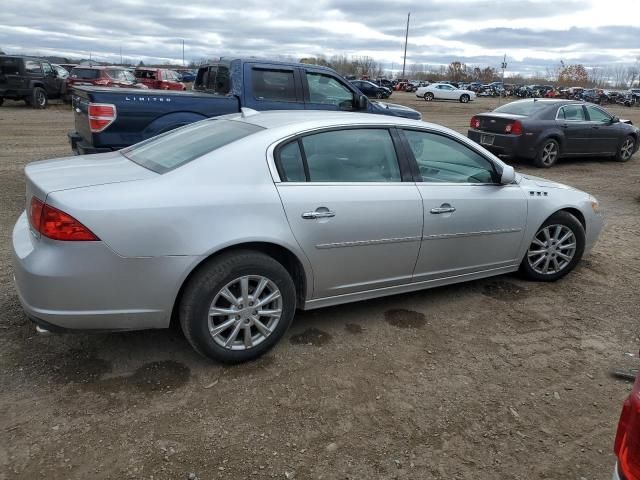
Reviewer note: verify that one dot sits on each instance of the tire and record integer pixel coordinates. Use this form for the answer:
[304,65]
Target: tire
[39,98]
[464,98]
[533,264]
[428,97]
[379,95]
[204,290]
[547,154]
[625,150]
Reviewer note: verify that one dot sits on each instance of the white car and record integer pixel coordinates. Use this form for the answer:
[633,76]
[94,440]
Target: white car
[444,91]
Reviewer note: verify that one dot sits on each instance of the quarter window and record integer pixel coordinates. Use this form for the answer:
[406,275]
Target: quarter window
[442,159]
[327,90]
[597,115]
[276,85]
[291,164]
[571,113]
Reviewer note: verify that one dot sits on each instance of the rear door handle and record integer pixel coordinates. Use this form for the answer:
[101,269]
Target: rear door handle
[440,210]
[319,213]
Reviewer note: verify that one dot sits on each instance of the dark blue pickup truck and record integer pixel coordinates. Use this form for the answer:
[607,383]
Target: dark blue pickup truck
[109,119]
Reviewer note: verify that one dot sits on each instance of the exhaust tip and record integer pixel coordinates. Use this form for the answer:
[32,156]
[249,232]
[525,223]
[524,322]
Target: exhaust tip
[43,331]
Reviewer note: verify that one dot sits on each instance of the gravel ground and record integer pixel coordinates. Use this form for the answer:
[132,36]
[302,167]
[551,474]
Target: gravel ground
[499,378]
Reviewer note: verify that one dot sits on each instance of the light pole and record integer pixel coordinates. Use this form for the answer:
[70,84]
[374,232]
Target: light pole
[406,38]
[504,67]
[183,52]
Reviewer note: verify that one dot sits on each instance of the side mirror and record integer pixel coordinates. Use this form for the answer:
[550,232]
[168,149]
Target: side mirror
[508,175]
[362,102]
[614,120]
[54,73]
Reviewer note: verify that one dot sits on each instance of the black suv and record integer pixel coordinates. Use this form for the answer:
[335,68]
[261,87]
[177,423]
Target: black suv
[30,79]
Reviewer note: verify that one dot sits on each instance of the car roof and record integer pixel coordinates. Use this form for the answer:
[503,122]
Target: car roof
[312,119]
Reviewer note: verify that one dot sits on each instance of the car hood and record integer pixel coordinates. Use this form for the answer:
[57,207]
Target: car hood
[395,109]
[531,180]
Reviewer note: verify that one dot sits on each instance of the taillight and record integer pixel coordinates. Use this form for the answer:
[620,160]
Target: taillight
[475,122]
[514,128]
[56,224]
[627,445]
[101,115]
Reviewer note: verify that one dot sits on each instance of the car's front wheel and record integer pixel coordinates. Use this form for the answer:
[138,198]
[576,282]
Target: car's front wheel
[464,98]
[556,248]
[238,306]
[625,150]
[379,95]
[428,96]
[39,98]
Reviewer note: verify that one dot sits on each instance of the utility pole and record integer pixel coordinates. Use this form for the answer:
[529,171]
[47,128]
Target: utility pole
[504,67]
[120,55]
[406,38]
[183,52]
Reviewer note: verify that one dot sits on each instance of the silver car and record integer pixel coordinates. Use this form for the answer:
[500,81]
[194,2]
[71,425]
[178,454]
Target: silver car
[233,223]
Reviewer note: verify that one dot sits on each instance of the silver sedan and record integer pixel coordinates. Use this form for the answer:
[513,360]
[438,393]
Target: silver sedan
[231,224]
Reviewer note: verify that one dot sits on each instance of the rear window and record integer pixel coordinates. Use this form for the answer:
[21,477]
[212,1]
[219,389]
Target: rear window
[86,73]
[179,147]
[10,66]
[521,108]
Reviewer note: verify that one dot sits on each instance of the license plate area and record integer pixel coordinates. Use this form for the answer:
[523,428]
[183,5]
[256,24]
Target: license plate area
[487,139]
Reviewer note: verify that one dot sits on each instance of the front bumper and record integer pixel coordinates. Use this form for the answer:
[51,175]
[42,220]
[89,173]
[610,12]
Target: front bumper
[86,286]
[80,147]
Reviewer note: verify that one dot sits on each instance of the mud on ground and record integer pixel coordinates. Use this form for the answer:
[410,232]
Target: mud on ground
[494,379]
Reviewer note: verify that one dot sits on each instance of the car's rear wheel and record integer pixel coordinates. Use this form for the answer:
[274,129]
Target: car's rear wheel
[548,153]
[428,96]
[464,98]
[238,306]
[556,248]
[625,150]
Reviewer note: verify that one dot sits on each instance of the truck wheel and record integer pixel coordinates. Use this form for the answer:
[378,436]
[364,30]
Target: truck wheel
[39,98]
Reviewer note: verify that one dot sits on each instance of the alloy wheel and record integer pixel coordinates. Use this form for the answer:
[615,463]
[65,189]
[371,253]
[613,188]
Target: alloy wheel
[41,99]
[550,153]
[627,149]
[552,249]
[245,312]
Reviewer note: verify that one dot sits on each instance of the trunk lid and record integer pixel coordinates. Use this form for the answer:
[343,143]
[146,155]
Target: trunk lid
[496,122]
[67,173]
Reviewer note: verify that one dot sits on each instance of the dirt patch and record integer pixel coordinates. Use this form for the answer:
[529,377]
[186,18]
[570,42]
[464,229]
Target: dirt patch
[402,318]
[353,328]
[311,336]
[504,290]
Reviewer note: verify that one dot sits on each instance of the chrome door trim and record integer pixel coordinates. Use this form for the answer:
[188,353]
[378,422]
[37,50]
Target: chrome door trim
[471,234]
[359,243]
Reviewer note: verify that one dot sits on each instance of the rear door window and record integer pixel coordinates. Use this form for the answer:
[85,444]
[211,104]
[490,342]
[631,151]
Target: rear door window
[276,85]
[31,66]
[179,147]
[571,113]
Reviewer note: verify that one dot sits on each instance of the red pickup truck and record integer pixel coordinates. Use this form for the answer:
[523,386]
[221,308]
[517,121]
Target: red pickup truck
[159,78]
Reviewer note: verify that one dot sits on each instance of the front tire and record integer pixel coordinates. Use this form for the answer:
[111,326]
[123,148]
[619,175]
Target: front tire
[625,150]
[39,98]
[379,96]
[548,154]
[238,306]
[464,98]
[555,249]
[428,97]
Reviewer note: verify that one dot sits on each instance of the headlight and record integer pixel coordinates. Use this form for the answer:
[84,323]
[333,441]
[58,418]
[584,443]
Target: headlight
[595,205]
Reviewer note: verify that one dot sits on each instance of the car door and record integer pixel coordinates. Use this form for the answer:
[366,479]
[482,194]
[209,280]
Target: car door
[326,92]
[272,87]
[447,92]
[605,134]
[577,130]
[471,222]
[354,217]
[52,84]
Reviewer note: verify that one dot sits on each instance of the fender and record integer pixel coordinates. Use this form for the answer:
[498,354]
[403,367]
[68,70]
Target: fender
[171,121]
[552,132]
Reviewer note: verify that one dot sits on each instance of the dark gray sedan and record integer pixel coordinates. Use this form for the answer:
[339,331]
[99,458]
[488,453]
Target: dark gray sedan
[544,130]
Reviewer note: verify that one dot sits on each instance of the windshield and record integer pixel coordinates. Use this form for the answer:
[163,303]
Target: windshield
[521,108]
[86,73]
[179,147]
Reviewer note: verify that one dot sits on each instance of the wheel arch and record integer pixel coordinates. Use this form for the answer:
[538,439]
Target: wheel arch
[281,254]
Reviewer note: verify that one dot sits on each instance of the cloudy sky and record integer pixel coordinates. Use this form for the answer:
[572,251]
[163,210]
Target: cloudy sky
[535,34]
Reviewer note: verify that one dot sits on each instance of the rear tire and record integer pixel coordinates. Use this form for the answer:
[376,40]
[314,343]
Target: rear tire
[212,287]
[625,150]
[428,97]
[550,252]
[39,98]
[548,154]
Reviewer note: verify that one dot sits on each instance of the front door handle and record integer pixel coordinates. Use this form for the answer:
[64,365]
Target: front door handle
[321,212]
[440,210]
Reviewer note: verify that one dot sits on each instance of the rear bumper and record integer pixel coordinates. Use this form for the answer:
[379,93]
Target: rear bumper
[86,286]
[616,475]
[510,146]
[80,147]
